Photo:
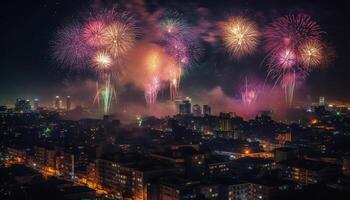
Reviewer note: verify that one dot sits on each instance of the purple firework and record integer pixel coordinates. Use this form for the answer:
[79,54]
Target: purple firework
[69,47]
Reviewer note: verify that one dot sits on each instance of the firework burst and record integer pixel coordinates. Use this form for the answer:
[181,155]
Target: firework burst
[69,48]
[291,31]
[102,60]
[294,45]
[118,38]
[240,36]
[93,31]
[311,53]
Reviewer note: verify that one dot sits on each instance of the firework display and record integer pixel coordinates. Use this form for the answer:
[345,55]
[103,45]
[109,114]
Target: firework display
[240,36]
[180,45]
[294,46]
[106,42]
[99,42]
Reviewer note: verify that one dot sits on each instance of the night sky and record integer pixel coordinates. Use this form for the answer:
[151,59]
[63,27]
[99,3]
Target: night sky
[28,70]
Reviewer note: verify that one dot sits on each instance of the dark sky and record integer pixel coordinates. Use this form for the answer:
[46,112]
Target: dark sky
[27,27]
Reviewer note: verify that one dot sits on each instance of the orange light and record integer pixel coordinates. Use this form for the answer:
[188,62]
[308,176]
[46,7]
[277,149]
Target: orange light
[314,121]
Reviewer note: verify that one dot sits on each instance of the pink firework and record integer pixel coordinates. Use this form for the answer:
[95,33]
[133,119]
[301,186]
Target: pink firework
[288,84]
[179,51]
[174,82]
[291,31]
[152,90]
[249,94]
[286,58]
[284,39]
[69,47]
[93,32]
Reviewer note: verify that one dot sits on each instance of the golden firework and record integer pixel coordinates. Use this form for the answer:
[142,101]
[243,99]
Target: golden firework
[240,36]
[118,38]
[311,53]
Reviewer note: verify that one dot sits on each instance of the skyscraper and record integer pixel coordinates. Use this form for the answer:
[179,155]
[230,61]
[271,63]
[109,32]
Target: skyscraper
[225,122]
[321,101]
[68,103]
[197,110]
[185,107]
[22,105]
[57,103]
[36,104]
[206,110]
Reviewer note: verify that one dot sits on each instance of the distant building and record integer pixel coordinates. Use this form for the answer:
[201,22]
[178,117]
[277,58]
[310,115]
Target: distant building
[22,105]
[321,101]
[68,103]
[57,103]
[185,107]
[206,110]
[36,104]
[197,110]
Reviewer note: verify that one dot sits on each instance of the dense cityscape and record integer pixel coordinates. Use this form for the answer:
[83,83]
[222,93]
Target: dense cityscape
[174,100]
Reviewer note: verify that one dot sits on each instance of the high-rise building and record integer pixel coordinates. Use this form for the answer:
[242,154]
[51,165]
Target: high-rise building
[206,110]
[68,103]
[185,107]
[321,101]
[197,110]
[36,104]
[57,102]
[22,105]
[225,123]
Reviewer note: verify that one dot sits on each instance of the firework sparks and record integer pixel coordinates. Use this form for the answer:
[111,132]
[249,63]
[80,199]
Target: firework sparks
[288,84]
[180,44]
[174,81]
[311,53]
[291,31]
[249,94]
[286,58]
[240,36]
[118,38]
[93,32]
[69,48]
[152,90]
[106,92]
[293,45]
[102,60]
[173,24]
